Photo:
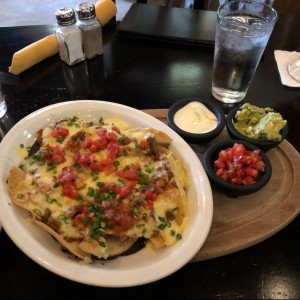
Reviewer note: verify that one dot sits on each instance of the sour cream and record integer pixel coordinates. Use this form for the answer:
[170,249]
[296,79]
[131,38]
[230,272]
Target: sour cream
[195,117]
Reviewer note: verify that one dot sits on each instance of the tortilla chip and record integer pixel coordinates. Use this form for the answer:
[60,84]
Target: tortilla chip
[72,247]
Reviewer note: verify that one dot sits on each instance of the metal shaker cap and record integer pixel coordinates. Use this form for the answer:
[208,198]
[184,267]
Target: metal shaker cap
[85,11]
[65,16]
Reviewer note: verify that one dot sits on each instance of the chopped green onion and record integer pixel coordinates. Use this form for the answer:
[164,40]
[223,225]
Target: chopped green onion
[63,218]
[178,236]
[90,192]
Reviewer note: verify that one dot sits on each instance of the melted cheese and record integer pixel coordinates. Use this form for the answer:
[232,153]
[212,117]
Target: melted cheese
[195,118]
[46,200]
[121,124]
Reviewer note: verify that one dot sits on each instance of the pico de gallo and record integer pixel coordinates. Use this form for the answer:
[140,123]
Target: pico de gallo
[238,165]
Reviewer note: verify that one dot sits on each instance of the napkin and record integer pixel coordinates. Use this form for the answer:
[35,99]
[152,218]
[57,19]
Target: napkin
[48,46]
[105,11]
[33,54]
[283,58]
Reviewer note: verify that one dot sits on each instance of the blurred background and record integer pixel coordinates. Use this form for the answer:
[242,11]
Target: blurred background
[36,12]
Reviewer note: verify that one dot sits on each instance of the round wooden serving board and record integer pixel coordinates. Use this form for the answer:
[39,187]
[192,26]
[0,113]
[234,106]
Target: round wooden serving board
[244,221]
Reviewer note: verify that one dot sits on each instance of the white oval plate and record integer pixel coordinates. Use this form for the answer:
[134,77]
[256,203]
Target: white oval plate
[140,268]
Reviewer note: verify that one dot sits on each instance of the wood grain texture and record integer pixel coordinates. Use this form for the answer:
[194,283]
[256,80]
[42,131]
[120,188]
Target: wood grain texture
[244,221]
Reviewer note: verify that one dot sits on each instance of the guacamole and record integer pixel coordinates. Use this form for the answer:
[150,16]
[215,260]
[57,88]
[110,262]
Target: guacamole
[259,123]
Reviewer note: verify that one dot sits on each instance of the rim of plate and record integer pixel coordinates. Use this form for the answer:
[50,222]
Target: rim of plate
[140,268]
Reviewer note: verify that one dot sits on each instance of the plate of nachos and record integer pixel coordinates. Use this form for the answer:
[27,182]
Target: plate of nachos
[100,193]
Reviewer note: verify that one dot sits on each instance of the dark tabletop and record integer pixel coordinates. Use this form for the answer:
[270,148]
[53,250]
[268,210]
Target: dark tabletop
[147,74]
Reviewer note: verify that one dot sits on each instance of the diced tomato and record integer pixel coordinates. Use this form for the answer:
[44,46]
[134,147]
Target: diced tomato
[87,143]
[53,154]
[109,169]
[111,137]
[54,133]
[85,158]
[238,165]
[238,150]
[247,159]
[115,128]
[78,219]
[150,196]
[222,174]
[131,184]
[57,152]
[76,156]
[223,156]
[120,221]
[150,204]
[251,172]
[100,132]
[144,145]
[47,153]
[93,149]
[102,164]
[60,132]
[124,191]
[219,171]
[82,218]
[130,174]
[101,143]
[248,180]
[236,180]
[58,158]
[220,163]
[75,146]
[69,190]
[259,165]
[67,174]
[152,192]
[136,166]
[229,155]
[113,150]
[82,158]
[96,166]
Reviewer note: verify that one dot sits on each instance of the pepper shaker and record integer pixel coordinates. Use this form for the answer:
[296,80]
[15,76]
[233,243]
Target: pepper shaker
[91,29]
[69,36]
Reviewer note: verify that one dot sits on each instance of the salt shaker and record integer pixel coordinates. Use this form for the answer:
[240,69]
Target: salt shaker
[91,29]
[69,36]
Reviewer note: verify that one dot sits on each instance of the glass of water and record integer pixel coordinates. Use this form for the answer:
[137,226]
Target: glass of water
[242,32]
[269,2]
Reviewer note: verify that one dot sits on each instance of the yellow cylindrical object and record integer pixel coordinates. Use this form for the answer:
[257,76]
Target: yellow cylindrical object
[33,54]
[48,46]
[105,11]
